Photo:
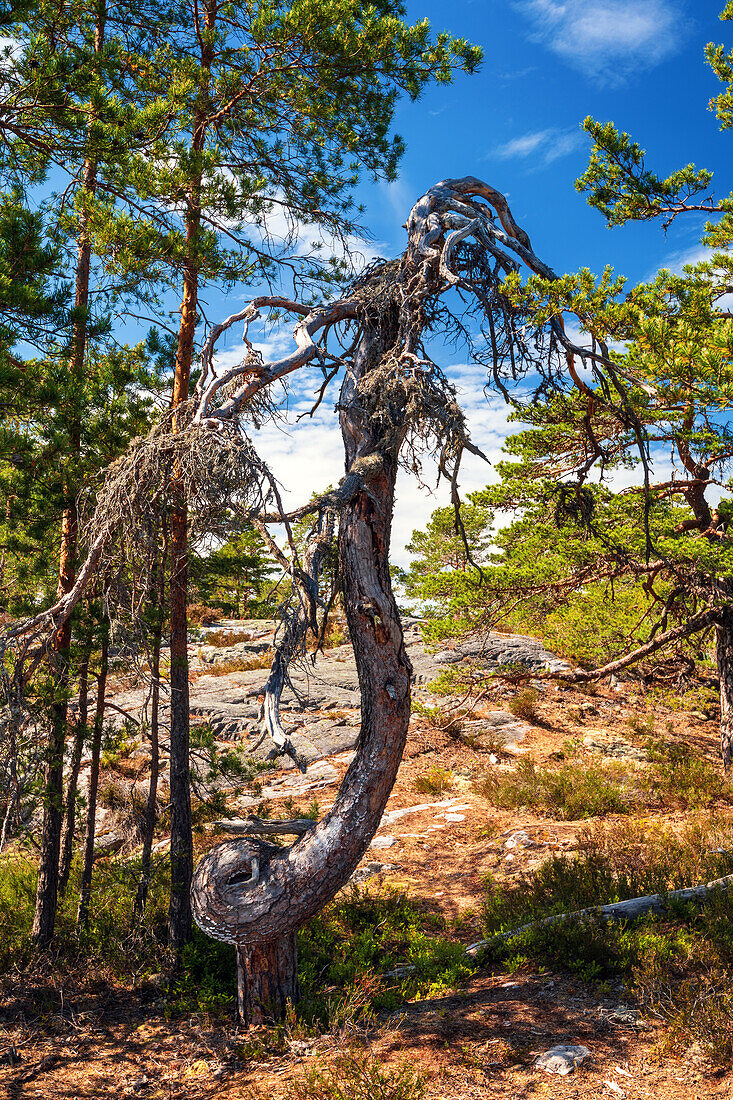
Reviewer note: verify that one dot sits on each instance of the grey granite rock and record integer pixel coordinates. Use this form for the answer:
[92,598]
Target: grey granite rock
[562,1059]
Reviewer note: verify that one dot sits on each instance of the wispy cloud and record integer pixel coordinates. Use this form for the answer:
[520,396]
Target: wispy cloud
[608,40]
[544,146]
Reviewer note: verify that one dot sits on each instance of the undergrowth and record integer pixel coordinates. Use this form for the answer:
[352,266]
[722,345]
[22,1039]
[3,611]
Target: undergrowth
[570,792]
[365,951]
[434,781]
[675,777]
[674,966]
[364,936]
[358,1076]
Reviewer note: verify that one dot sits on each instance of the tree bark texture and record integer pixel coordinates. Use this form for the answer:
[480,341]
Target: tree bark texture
[179,912]
[85,891]
[267,980]
[44,919]
[250,893]
[151,806]
[80,733]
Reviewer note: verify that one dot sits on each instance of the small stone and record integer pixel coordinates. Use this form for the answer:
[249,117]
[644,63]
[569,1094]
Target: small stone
[383,841]
[455,817]
[519,840]
[562,1059]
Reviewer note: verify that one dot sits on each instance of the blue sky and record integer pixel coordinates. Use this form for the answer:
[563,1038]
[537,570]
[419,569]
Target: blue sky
[516,124]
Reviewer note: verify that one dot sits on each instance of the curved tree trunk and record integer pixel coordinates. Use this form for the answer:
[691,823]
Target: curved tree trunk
[252,894]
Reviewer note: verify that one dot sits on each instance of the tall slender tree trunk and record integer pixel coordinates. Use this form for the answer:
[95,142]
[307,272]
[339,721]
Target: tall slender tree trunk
[85,890]
[44,919]
[152,802]
[80,734]
[12,786]
[179,913]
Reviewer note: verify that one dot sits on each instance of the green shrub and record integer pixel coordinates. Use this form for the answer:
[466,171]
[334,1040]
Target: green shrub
[524,704]
[207,977]
[570,792]
[362,936]
[115,944]
[679,775]
[681,967]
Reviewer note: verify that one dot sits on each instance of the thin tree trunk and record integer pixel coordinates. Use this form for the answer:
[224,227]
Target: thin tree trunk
[80,734]
[724,653]
[44,919]
[86,874]
[179,912]
[151,807]
[13,791]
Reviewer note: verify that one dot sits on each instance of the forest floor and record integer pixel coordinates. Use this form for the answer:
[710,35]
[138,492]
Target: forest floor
[479,1039]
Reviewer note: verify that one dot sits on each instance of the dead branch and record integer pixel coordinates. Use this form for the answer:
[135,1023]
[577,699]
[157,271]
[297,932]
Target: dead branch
[259,826]
[633,909]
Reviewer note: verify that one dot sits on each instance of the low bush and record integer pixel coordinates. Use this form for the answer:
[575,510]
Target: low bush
[681,777]
[115,946]
[434,781]
[241,664]
[366,937]
[222,638]
[358,1076]
[569,792]
[681,967]
[524,704]
[199,614]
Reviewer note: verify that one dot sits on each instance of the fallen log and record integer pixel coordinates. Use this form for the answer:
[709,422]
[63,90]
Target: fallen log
[633,909]
[260,826]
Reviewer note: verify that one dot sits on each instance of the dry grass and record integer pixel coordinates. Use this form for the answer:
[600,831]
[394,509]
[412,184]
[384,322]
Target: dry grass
[222,638]
[241,664]
[434,781]
[199,614]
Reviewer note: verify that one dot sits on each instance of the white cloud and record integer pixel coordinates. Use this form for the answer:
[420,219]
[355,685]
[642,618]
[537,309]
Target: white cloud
[606,39]
[306,456]
[543,146]
[282,233]
[676,261]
